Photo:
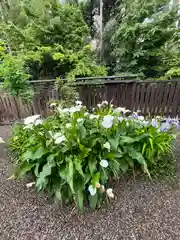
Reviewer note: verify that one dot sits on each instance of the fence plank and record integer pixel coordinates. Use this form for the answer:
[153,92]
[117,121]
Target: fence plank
[153,97]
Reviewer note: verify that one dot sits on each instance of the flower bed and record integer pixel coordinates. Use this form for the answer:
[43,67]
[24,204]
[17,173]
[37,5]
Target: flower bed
[75,153]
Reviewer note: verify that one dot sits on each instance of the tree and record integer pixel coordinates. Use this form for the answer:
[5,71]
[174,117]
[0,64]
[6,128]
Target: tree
[141,31]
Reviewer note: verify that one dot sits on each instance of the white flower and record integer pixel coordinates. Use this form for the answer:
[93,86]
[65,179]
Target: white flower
[1,140]
[86,114]
[92,190]
[79,120]
[65,110]
[92,116]
[141,118]
[31,119]
[37,122]
[68,125]
[104,102]
[53,104]
[28,185]
[56,135]
[104,163]
[111,105]
[60,139]
[99,105]
[120,119]
[154,123]
[78,103]
[107,146]
[110,193]
[107,121]
[75,109]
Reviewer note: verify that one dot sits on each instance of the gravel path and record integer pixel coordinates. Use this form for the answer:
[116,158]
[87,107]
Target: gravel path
[141,210]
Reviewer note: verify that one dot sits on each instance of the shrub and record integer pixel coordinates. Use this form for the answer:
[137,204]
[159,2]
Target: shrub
[75,153]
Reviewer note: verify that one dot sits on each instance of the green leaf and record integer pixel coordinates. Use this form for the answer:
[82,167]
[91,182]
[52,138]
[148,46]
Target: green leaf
[46,171]
[93,201]
[36,170]
[123,165]
[125,139]
[92,164]
[78,166]
[79,196]
[70,174]
[113,155]
[39,153]
[130,161]
[23,169]
[27,155]
[144,148]
[63,172]
[151,143]
[135,155]
[95,179]
[82,132]
[114,143]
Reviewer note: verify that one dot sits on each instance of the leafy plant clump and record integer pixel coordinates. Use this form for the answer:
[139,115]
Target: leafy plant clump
[75,153]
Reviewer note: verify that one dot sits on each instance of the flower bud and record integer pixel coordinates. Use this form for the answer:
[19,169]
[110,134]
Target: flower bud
[102,189]
[98,185]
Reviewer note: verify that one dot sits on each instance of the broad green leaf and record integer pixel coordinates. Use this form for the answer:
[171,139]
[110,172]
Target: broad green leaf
[93,201]
[23,169]
[114,143]
[63,172]
[78,166]
[93,130]
[123,165]
[92,163]
[39,153]
[79,198]
[130,161]
[135,155]
[27,155]
[79,190]
[46,171]
[70,174]
[82,132]
[113,155]
[125,139]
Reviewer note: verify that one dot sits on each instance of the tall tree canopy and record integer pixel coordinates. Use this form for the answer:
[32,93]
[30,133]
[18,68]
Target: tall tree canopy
[140,31]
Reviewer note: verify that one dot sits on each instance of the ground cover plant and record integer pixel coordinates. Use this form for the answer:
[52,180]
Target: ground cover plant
[74,154]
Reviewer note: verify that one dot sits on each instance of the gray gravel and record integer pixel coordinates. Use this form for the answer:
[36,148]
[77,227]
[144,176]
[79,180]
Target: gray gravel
[141,210]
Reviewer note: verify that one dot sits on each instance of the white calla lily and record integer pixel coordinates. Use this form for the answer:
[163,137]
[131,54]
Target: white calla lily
[104,163]
[92,190]
[110,193]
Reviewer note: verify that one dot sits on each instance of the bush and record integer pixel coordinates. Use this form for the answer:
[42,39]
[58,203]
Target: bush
[75,153]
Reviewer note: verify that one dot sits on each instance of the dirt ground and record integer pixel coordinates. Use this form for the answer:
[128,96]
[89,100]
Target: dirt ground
[141,210]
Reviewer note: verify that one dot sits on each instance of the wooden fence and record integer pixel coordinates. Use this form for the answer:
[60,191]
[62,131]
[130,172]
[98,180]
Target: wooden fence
[151,97]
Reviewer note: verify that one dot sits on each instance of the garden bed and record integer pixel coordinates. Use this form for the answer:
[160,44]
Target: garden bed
[141,210]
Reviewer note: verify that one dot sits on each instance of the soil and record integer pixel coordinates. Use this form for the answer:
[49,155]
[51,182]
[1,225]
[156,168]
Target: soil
[141,210]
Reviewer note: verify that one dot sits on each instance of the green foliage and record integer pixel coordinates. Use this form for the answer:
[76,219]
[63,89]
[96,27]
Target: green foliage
[44,39]
[13,72]
[140,34]
[75,153]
